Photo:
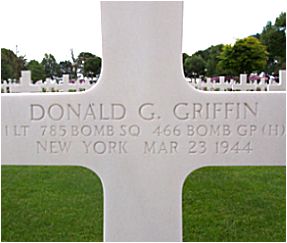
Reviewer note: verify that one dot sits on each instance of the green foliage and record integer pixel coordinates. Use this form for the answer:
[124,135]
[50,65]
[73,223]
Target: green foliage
[184,57]
[37,70]
[246,56]
[280,22]
[274,37]
[52,68]
[219,204]
[89,64]
[66,67]
[227,63]
[11,65]
[210,56]
[194,66]
[92,67]
[82,58]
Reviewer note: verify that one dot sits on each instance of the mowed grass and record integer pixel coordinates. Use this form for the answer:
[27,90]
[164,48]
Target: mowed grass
[219,204]
[235,204]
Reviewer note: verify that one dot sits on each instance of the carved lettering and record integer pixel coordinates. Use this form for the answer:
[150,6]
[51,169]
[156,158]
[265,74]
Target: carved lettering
[53,147]
[215,111]
[103,147]
[91,111]
[146,115]
[155,147]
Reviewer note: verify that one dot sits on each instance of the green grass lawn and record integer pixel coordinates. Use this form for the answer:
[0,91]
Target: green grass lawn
[219,204]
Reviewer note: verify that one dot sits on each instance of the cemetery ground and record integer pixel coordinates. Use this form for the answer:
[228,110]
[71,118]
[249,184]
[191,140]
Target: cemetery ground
[219,204]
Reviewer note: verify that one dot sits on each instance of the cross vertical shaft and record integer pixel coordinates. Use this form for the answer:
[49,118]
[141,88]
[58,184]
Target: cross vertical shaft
[146,36]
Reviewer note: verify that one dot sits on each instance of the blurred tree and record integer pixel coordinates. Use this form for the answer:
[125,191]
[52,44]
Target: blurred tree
[82,58]
[184,57]
[51,67]
[22,62]
[89,64]
[246,56]
[280,21]
[66,67]
[226,62]
[274,37]
[210,56]
[11,65]
[37,70]
[75,65]
[92,67]
[194,66]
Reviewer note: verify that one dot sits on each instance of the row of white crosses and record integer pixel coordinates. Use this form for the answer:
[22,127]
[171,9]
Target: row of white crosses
[26,85]
[243,84]
[142,128]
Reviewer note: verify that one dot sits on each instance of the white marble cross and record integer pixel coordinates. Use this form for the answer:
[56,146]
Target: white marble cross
[142,128]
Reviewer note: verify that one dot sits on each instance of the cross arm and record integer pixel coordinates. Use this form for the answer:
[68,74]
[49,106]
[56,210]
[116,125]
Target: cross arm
[232,128]
[32,124]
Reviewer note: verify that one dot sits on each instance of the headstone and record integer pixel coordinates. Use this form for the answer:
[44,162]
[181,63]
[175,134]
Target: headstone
[25,84]
[223,85]
[25,78]
[243,85]
[262,85]
[282,82]
[142,128]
